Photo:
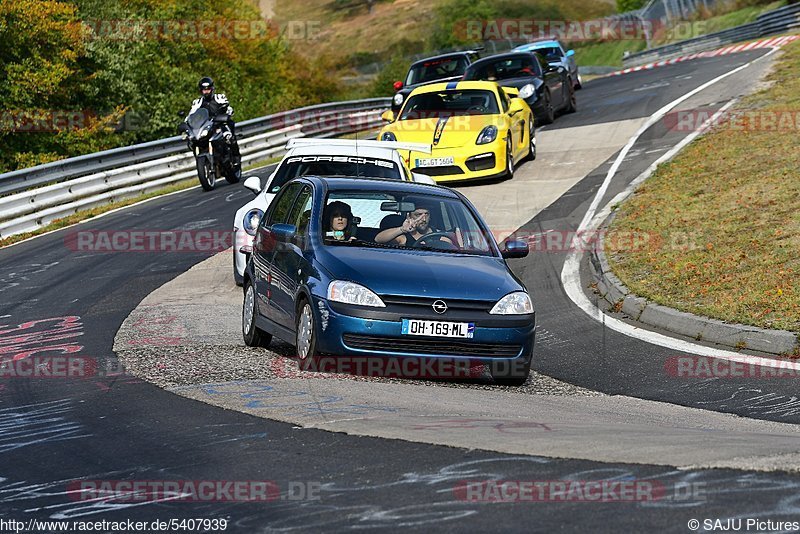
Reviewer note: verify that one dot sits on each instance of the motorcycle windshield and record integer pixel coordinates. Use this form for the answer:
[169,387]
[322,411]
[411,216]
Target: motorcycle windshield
[198,118]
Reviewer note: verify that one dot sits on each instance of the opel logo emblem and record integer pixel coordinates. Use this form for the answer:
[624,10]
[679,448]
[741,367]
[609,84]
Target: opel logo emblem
[439,306]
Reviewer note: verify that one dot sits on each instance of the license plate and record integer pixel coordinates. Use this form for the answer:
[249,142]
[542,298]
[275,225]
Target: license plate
[434,162]
[420,327]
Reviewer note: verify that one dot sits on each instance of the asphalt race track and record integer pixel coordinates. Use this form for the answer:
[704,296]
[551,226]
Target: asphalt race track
[55,432]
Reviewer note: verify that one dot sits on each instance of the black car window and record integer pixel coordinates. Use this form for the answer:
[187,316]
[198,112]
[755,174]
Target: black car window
[436,69]
[301,211]
[283,204]
[540,62]
[521,66]
[450,103]
[504,100]
[314,165]
[552,53]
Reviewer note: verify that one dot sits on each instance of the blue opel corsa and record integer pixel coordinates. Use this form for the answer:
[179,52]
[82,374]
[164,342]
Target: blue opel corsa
[399,271]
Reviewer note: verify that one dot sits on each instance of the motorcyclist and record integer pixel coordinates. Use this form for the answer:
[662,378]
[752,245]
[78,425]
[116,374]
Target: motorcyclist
[216,104]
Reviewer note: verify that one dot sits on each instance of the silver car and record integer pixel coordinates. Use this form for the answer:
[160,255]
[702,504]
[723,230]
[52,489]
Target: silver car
[555,54]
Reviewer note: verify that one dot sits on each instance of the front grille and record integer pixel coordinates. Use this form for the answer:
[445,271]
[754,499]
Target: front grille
[420,345]
[427,303]
[439,171]
[480,163]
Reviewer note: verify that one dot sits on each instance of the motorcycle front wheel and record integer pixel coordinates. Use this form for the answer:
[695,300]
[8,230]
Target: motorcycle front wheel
[206,175]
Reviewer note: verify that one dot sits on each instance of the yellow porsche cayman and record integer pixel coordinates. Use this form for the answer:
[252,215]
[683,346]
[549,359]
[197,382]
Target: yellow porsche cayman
[477,129]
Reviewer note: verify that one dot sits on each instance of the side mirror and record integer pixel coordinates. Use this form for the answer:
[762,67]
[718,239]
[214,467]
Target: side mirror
[570,53]
[514,249]
[284,232]
[387,116]
[423,178]
[253,183]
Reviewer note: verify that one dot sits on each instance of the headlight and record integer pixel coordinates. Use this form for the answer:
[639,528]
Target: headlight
[398,99]
[487,135]
[351,293]
[527,91]
[203,133]
[388,136]
[517,303]
[251,220]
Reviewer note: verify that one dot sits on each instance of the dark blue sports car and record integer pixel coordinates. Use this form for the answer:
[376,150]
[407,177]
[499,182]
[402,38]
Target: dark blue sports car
[349,267]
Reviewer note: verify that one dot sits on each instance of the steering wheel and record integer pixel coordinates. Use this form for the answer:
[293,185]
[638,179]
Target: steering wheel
[445,245]
[479,109]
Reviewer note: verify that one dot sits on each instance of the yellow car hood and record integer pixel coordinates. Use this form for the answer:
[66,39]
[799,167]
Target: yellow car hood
[445,132]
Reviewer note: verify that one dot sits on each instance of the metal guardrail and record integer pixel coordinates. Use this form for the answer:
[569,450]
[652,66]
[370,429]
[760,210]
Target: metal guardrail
[37,196]
[773,22]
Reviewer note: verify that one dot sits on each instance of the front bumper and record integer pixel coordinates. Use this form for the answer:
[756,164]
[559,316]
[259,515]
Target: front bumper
[469,163]
[353,331]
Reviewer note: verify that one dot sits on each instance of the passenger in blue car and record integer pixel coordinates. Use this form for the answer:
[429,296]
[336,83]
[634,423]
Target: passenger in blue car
[414,230]
[338,222]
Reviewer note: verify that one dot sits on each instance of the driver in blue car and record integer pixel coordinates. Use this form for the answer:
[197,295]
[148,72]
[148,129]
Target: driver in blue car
[414,228]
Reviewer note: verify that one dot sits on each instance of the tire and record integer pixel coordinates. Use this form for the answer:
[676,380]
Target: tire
[511,376]
[509,161]
[549,113]
[531,142]
[253,336]
[207,179]
[572,103]
[305,334]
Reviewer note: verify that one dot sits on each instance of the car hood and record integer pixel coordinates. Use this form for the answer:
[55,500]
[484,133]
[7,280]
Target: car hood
[455,132]
[421,273]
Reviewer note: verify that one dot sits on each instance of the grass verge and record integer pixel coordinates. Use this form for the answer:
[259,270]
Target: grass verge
[725,214]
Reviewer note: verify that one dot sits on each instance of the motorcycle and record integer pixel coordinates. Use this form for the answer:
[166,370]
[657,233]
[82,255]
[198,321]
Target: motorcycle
[212,148]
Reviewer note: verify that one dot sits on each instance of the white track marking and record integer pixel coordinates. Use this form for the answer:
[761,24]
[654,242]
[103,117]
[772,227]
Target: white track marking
[570,274]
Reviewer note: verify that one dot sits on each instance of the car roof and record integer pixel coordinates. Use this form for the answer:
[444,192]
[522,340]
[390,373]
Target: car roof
[538,44]
[444,56]
[341,150]
[340,183]
[456,86]
[498,57]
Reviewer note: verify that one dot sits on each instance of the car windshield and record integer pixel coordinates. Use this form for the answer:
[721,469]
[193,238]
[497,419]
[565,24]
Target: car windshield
[333,166]
[450,103]
[550,53]
[376,220]
[436,69]
[504,69]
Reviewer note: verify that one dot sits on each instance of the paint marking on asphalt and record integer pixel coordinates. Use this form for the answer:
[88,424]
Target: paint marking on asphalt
[570,274]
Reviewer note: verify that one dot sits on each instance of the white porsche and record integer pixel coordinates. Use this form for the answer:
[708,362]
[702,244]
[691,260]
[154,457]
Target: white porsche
[319,157]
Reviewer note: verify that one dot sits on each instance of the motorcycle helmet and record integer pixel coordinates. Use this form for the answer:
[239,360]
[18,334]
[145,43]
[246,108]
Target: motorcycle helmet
[204,84]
